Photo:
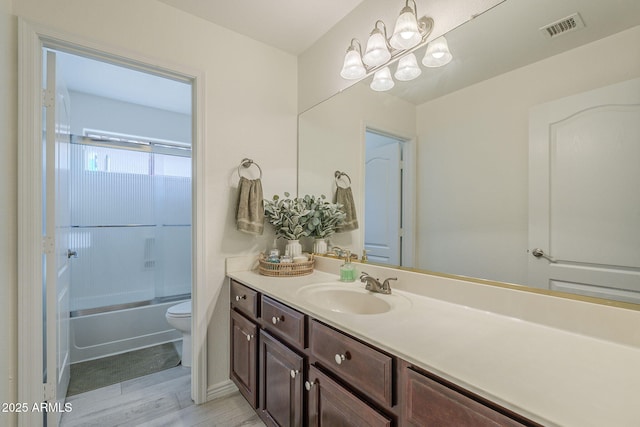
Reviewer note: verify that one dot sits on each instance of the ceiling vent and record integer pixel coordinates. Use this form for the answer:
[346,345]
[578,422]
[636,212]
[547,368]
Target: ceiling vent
[563,26]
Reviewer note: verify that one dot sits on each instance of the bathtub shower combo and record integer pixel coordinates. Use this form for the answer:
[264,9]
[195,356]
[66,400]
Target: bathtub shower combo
[131,231]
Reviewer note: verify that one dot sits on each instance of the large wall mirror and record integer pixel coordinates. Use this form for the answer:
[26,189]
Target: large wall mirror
[517,162]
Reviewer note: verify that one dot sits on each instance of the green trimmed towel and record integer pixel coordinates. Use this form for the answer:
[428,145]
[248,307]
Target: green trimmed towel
[250,213]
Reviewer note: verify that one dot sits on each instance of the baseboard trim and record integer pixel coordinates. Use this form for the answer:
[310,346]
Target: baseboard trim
[221,389]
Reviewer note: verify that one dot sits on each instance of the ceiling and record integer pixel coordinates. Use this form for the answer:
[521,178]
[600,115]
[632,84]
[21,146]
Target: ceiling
[289,25]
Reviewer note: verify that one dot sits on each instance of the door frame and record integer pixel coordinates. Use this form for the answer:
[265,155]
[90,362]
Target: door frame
[408,182]
[32,38]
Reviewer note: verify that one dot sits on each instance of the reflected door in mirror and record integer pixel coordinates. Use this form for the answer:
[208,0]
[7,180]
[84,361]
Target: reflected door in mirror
[584,199]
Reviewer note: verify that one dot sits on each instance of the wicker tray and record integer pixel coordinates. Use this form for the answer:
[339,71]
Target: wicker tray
[289,269]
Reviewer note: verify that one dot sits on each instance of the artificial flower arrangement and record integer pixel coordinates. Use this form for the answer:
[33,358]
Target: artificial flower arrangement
[307,216]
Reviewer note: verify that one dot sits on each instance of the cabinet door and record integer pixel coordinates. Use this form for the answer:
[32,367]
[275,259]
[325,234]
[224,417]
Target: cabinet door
[429,403]
[243,361]
[281,371]
[331,405]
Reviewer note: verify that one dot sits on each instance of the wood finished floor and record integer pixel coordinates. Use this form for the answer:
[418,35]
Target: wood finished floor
[160,399]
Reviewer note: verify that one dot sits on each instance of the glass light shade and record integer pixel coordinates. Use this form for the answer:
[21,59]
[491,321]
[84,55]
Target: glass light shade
[382,80]
[406,33]
[408,68]
[376,52]
[353,67]
[437,53]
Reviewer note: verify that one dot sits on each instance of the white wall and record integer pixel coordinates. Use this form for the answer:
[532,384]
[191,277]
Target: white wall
[8,209]
[319,66]
[334,139]
[473,156]
[250,111]
[96,112]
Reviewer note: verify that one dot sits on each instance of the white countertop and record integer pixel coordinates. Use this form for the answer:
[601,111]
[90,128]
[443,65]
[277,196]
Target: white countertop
[550,375]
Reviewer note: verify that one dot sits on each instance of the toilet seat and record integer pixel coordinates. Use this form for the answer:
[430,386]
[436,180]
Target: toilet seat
[180,310]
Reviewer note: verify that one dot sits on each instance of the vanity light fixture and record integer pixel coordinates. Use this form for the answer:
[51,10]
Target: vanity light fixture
[382,80]
[353,67]
[409,34]
[437,53]
[377,52]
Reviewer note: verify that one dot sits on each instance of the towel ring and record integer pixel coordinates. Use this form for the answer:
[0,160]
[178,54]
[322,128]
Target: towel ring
[339,175]
[246,163]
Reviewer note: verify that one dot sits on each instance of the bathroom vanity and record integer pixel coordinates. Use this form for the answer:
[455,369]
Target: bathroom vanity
[312,351]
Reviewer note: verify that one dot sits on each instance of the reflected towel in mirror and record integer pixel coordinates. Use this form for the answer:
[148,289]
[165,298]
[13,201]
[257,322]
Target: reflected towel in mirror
[344,196]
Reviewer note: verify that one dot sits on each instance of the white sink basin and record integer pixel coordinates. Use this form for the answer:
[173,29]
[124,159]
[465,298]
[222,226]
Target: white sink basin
[349,298]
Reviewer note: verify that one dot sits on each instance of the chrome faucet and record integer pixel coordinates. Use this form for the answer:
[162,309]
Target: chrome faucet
[374,285]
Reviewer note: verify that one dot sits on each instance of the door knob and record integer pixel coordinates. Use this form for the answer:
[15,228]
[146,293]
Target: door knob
[72,254]
[539,253]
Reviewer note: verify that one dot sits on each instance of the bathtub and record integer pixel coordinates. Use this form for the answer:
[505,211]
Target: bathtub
[99,334]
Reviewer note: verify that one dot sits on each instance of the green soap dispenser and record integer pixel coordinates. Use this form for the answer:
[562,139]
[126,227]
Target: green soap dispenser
[347,270]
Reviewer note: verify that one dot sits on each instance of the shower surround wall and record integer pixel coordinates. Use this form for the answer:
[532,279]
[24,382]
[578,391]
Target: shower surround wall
[131,229]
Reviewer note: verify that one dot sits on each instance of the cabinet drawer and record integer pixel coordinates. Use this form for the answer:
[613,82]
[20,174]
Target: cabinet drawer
[427,402]
[244,299]
[367,369]
[283,321]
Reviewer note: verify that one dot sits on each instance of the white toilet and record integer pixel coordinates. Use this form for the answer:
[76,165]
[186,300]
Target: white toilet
[179,316]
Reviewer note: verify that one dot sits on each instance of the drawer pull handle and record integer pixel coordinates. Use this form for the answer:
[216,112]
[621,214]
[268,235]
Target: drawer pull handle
[339,358]
[249,336]
[240,297]
[275,320]
[294,373]
[309,385]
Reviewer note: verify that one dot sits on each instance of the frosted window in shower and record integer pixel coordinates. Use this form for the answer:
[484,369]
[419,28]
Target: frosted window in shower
[131,226]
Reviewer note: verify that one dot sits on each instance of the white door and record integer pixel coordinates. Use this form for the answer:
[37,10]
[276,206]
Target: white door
[584,201]
[383,199]
[57,251]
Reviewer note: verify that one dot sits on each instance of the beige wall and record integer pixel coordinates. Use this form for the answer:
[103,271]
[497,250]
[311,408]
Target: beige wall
[8,209]
[250,110]
[473,156]
[332,136]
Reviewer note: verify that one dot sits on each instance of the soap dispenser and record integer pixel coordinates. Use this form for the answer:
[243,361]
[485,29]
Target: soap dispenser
[347,270]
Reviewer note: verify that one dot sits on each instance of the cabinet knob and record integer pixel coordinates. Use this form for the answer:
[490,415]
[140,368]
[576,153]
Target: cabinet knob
[249,336]
[339,358]
[294,373]
[308,385]
[275,320]
[240,297]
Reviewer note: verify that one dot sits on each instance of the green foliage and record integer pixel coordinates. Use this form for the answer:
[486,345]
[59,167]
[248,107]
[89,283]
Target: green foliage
[298,217]
[326,217]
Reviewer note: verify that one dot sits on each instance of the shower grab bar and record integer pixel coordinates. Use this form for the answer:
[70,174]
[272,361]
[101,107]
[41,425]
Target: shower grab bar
[124,306]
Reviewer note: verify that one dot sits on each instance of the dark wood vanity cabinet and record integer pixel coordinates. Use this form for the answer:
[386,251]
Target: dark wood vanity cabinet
[332,405]
[267,356]
[281,383]
[244,356]
[277,352]
[428,401]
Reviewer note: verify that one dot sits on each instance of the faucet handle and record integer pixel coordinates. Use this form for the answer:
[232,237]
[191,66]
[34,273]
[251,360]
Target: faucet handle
[386,285]
[364,275]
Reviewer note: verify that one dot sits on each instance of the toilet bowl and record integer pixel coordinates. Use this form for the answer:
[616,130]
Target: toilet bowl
[179,316]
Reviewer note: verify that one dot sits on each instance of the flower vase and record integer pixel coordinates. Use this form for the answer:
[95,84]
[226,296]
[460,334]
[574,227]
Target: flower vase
[293,248]
[320,246]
